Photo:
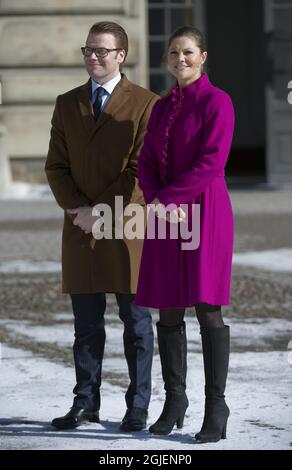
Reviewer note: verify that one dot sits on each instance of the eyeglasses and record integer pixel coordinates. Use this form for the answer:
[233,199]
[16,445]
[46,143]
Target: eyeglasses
[98,51]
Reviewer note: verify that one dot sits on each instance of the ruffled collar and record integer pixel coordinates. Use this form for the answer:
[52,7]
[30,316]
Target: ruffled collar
[194,87]
[177,95]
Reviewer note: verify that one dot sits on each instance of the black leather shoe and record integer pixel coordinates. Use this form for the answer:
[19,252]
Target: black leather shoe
[134,420]
[75,418]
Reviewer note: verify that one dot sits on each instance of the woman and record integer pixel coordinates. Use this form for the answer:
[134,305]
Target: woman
[182,162]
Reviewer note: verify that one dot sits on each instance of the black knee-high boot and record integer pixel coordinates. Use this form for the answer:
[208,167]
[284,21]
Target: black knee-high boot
[215,342]
[173,356]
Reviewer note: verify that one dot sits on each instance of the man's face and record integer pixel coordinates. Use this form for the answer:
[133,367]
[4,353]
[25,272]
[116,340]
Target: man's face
[103,69]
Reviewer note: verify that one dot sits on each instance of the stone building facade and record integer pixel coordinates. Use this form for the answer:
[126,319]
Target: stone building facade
[40,58]
[250,56]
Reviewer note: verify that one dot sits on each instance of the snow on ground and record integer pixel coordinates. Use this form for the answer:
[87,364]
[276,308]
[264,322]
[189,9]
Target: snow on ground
[35,390]
[279,260]
[22,266]
[248,334]
[267,260]
[21,190]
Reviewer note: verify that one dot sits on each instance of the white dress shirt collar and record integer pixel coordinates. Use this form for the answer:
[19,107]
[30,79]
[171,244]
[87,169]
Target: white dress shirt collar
[108,86]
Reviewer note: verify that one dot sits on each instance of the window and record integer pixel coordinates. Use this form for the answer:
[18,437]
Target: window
[165,16]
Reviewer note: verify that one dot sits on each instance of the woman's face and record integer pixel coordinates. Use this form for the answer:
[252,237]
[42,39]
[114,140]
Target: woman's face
[185,60]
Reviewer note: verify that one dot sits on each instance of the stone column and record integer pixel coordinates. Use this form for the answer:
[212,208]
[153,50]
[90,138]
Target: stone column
[5,171]
[278,18]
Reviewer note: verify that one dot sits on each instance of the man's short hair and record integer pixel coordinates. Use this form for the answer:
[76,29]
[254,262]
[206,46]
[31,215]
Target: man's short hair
[112,28]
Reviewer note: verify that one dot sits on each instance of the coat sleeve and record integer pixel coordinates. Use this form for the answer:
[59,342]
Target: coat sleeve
[126,184]
[215,147]
[57,167]
[148,164]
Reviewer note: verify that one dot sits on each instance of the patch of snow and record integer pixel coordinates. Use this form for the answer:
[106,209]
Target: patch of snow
[268,260]
[258,394]
[248,334]
[22,190]
[22,266]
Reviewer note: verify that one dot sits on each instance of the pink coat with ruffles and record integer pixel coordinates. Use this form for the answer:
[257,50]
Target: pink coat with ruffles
[182,162]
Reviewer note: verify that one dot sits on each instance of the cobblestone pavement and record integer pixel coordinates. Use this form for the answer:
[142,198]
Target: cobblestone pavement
[31,231]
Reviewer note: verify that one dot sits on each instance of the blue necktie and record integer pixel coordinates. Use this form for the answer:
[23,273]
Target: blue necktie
[98,102]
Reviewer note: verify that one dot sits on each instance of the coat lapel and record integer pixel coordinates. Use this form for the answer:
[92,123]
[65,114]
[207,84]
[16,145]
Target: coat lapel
[116,102]
[85,106]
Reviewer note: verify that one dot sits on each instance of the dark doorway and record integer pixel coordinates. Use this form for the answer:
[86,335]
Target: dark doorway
[235,33]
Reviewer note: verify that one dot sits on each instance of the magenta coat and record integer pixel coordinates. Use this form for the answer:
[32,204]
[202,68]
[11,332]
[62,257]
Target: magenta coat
[182,162]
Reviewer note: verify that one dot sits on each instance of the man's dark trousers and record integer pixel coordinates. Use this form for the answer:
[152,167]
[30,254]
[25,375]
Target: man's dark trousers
[89,344]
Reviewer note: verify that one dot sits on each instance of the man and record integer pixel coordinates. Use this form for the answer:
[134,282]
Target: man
[97,132]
